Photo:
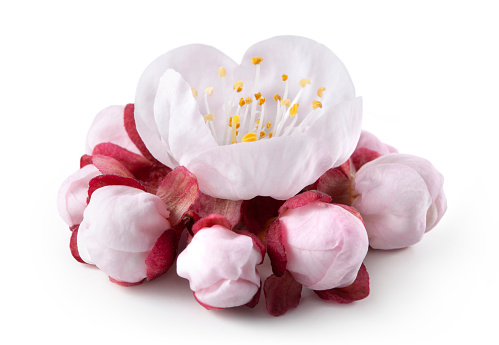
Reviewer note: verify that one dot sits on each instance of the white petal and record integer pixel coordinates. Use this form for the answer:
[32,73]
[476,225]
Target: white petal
[228,293]
[198,64]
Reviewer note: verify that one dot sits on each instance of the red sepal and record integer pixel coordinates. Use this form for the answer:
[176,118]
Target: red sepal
[275,248]
[358,290]
[73,246]
[110,166]
[362,156]
[230,209]
[179,191]
[152,177]
[256,298]
[257,212]
[209,221]
[209,307]
[303,199]
[111,180]
[85,160]
[282,294]
[162,255]
[336,184]
[132,161]
[131,129]
[125,284]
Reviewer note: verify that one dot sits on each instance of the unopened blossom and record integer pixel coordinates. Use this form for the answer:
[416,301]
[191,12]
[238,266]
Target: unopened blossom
[324,244]
[269,126]
[120,227]
[400,197]
[221,267]
[108,127]
[369,148]
[73,193]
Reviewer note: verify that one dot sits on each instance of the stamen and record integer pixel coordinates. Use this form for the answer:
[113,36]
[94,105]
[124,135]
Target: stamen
[270,134]
[277,98]
[256,60]
[249,137]
[268,125]
[261,101]
[304,82]
[284,77]
[286,102]
[222,72]
[208,91]
[293,110]
[316,104]
[320,91]
[209,117]
[248,100]
[241,102]
[258,95]
[235,122]
[194,92]
[238,86]
[262,134]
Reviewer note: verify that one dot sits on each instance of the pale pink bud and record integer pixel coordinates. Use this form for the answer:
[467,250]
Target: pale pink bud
[324,243]
[221,267]
[400,198]
[109,127]
[73,193]
[369,141]
[121,225]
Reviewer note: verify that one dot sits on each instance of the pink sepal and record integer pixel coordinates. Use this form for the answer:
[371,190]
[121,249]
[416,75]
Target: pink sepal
[258,212]
[85,160]
[230,209]
[110,166]
[151,178]
[303,199]
[358,290]
[209,307]
[162,255]
[256,241]
[132,161]
[353,211]
[179,191]
[125,284]
[362,156]
[256,298]
[131,129]
[73,245]
[336,184]
[209,221]
[282,294]
[275,248]
[111,180]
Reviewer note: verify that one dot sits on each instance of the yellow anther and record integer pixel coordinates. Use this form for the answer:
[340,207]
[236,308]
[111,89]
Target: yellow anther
[238,85]
[194,92]
[270,134]
[293,110]
[268,125]
[236,119]
[257,121]
[241,102]
[237,132]
[316,104]
[286,102]
[248,100]
[238,125]
[320,91]
[304,82]
[258,95]
[209,117]
[249,137]
[284,77]
[230,121]
[261,101]
[209,90]
[222,72]
[277,98]
[256,60]
[262,134]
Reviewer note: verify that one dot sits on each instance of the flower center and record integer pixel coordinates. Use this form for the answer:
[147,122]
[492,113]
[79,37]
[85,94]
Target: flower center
[246,120]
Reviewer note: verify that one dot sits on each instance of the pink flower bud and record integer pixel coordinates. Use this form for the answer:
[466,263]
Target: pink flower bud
[324,244]
[72,195]
[109,127]
[220,266]
[121,225]
[400,198]
[369,148]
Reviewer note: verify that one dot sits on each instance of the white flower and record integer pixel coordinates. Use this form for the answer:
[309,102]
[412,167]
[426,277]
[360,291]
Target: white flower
[269,127]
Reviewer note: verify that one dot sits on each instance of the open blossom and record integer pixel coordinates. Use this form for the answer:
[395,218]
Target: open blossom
[323,245]
[400,197]
[269,127]
[108,127]
[221,267]
[73,193]
[121,226]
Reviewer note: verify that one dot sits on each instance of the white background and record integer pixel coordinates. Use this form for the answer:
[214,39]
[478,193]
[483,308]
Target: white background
[428,73]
